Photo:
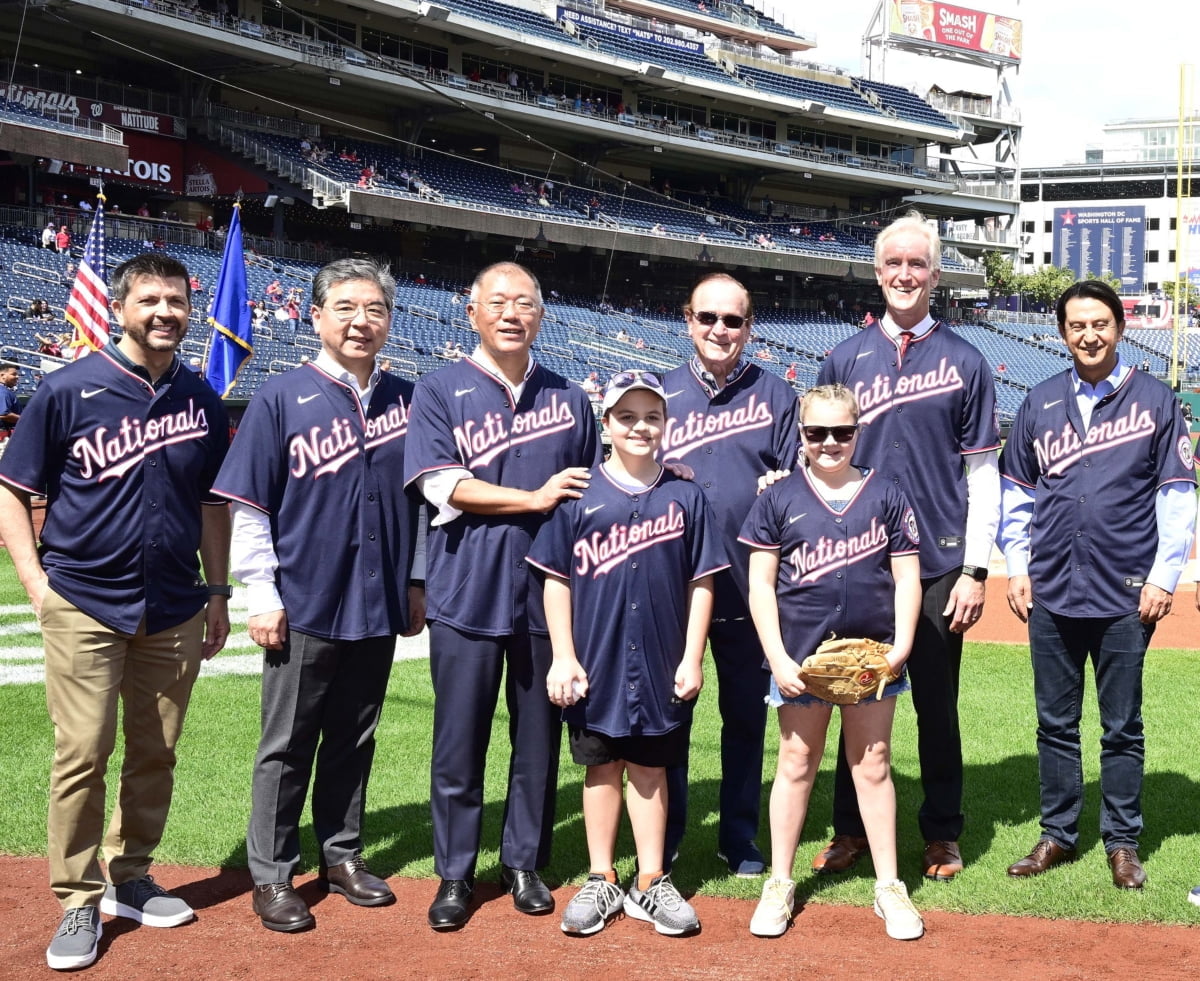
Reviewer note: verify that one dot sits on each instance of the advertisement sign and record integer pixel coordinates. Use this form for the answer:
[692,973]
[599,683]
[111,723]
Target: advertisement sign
[956,27]
[179,168]
[60,105]
[1107,240]
[625,30]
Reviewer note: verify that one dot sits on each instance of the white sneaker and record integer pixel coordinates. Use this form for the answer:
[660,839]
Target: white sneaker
[661,905]
[774,911]
[1194,896]
[899,915]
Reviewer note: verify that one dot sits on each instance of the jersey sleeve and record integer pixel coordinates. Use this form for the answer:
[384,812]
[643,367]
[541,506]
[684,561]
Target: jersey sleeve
[430,442]
[1173,449]
[787,448]
[980,424]
[255,469]
[761,528]
[37,445]
[218,434]
[1017,460]
[904,537]
[705,551]
[552,549]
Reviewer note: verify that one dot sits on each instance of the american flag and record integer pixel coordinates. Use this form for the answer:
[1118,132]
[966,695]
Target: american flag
[87,307]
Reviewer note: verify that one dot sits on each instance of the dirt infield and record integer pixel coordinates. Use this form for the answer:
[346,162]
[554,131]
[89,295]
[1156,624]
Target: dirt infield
[226,941]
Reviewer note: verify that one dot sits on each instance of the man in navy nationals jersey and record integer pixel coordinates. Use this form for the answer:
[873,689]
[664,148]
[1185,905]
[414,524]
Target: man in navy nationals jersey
[731,422]
[1099,511]
[323,538]
[495,443]
[929,426]
[10,408]
[125,445]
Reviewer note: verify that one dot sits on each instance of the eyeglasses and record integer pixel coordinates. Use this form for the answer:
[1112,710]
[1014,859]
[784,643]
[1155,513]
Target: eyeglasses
[731,320]
[818,434]
[625,379]
[375,313]
[523,305]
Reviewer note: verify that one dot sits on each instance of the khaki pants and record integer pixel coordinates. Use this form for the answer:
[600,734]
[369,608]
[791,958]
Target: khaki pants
[88,667]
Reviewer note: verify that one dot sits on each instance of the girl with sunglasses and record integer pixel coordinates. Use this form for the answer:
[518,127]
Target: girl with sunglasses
[833,552]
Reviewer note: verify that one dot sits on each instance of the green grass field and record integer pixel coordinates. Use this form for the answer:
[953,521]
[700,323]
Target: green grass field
[212,796]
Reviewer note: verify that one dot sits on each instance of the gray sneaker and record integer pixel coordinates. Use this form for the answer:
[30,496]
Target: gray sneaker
[591,907]
[75,943]
[662,905]
[145,901]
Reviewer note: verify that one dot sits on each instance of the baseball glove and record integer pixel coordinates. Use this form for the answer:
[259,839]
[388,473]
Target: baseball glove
[845,670]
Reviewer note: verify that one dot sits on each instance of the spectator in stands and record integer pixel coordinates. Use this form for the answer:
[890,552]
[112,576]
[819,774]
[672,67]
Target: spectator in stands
[48,236]
[258,314]
[10,408]
[658,230]
[63,239]
[591,385]
[85,204]
[764,354]
[640,344]
[622,335]
[39,309]
[1146,365]
[274,291]
[49,344]
[194,282]
[790,374]
[143,211]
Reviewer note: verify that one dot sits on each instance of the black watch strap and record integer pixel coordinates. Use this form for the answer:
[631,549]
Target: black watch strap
[215,590]
[977,572]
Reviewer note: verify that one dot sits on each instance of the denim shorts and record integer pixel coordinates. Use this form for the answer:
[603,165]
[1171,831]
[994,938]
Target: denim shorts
[774,699]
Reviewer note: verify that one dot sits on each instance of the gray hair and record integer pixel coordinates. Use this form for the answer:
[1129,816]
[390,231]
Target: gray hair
[911,221]
[346,270]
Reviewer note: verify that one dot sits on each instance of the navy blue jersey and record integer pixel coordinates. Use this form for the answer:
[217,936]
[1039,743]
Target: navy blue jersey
[629,557]
[730,438]
[1094,532]
[477,579]
[327,475]
[125,468]
[835,572]
[919,419]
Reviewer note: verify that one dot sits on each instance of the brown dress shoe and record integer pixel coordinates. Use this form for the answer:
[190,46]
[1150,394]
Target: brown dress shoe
[1045,855]
[840,854]
[943,861]
[280,909]
[355,881]
[1127,871]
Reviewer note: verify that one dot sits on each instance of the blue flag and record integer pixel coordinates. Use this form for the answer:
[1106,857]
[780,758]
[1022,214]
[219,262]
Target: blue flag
[232,342]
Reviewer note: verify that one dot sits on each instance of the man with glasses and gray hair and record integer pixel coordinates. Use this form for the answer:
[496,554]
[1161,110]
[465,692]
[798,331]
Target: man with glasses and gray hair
[324,539]
[730,421]
[497,443]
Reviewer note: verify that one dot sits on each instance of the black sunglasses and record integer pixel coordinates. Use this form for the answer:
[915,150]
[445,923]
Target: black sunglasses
[731,320]
[818,434]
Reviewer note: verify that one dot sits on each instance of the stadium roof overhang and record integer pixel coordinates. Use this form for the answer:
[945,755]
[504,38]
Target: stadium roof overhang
[55,144]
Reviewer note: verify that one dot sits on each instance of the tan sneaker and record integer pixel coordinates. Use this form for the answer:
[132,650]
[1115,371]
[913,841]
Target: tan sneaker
[899,915]
[774,911]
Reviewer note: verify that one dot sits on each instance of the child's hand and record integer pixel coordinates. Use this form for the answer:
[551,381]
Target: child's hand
[896,658]
[566,683]
[787,679]
[688,681]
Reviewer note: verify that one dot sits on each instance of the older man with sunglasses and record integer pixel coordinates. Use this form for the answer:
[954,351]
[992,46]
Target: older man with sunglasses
[730,421]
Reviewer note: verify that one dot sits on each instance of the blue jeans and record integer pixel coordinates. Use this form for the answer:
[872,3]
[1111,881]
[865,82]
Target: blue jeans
[1060,647]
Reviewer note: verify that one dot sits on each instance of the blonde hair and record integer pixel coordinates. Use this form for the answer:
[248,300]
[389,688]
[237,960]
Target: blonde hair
[836,393]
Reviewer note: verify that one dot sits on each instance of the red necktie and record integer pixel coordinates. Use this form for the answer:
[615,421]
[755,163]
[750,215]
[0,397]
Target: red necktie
[906,337]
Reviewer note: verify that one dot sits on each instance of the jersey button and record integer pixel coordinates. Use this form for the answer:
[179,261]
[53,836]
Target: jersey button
[708,450]
[708,483]
[632,647]
[1083,500]
[370,497]
[896,443]
[516,452]
[371,536]
[634,564]
[371,573]
[633,606]
[635,514]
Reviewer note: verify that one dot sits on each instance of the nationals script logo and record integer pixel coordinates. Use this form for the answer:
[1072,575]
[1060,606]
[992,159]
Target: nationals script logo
[108,454]
[601,553]
[810,562]
[876,396]
[696,429]
[327,452]
[480,442]
[1057,451]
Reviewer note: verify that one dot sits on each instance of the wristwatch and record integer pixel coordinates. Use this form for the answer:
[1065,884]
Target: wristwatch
[215,590]
[977,572]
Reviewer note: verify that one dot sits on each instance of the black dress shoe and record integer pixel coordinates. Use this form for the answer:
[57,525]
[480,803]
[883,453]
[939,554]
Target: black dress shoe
[451,907]
[280,909]
[529,892]
[356,882]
